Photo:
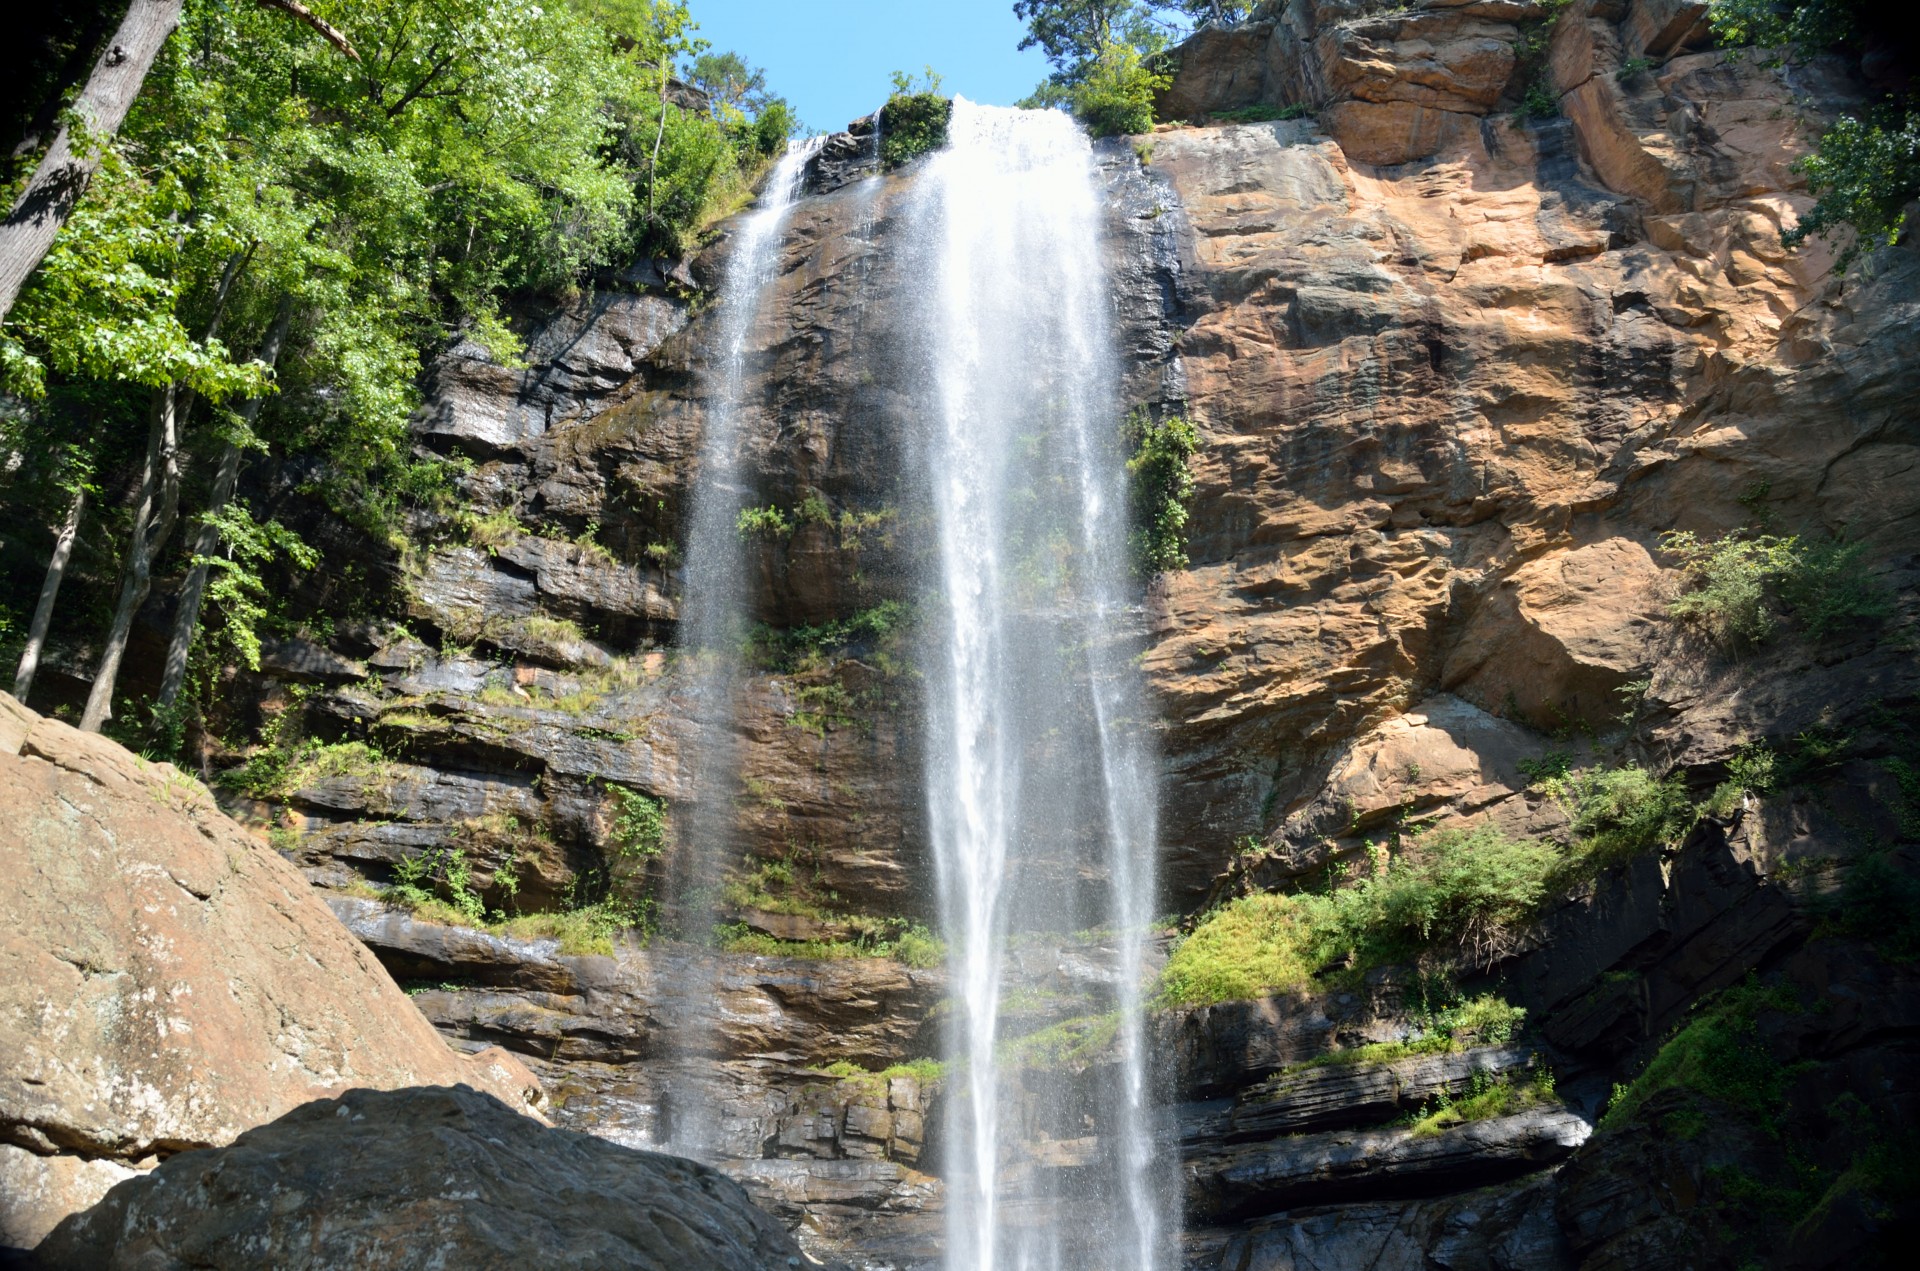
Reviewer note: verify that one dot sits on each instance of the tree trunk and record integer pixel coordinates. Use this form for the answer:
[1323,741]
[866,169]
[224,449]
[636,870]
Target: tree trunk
[62,176]
[152,520]
[49,590]
[207,541]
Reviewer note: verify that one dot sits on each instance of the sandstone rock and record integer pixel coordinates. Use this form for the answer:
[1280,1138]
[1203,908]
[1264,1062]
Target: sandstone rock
[1556,640]
[167,982]
[1220,69]
[409,1178]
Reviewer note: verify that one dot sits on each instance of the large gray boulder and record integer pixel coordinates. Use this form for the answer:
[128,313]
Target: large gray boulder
[401,1179]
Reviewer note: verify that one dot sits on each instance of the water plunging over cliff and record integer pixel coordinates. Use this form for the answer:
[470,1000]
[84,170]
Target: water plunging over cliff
[713,615]
[1040,778]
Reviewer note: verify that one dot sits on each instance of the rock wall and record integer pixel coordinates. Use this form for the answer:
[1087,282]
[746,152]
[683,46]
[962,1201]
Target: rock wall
[1456,368]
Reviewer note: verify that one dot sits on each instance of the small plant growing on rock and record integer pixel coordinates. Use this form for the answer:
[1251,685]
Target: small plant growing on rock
[639,824]
[1618,813]
[1161,489]
[766,522]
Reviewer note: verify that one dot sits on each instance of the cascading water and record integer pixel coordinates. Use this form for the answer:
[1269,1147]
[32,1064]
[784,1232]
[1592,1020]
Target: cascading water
[1041,780]
[713,613]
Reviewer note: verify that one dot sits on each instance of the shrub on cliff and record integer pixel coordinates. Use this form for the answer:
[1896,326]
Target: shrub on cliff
[915,119]
[1116,98]
[1738,585]
[1460,895]
[1618,813]
[1161,489]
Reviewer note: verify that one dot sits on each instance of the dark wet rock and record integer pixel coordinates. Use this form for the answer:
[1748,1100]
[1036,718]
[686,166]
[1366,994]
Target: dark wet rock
[304,662]
[1318,1168]
[1502,1228]
[1358,1093]
[845,157]
[580,355]
[410,1178]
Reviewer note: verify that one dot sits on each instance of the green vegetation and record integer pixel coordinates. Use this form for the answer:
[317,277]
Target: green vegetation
[1753,770]
[789,886]
[1116,97]
[1105,57]
[914,121]
[928,1072]
[1532,68]
[1739,585]
[1865,169]
[1486,1020]
[1161,489]
[795,650]
[1720,1054]
[1464,894]
[912,946]
[279,238]
[285,762]
[1619,813]
[639,824]
[1487,1096]
[1879,902]
[766,522]
[1071,1043]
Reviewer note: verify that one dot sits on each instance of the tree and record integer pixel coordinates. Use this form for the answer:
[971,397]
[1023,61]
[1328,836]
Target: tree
[729,81]
[345,193]
[62,177]
[1099,50]
[1073,33]
[1865,169]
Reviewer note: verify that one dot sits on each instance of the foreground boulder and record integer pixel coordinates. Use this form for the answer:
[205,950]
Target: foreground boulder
[167,982]
[415,1178]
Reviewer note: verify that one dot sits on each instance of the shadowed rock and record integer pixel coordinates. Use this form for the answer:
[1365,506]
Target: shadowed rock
[424,1177]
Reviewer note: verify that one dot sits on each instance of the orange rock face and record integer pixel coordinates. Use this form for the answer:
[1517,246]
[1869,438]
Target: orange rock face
[1450,406]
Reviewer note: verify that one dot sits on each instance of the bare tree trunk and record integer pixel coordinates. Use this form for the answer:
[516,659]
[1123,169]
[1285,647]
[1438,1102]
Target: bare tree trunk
[62,176]
[152,521]
[49,590]
[187,617]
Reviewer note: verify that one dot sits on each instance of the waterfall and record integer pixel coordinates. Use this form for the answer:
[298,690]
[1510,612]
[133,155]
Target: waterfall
[713,613]
[1040,778]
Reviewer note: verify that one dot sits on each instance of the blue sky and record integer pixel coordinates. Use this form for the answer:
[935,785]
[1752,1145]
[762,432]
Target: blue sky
[831,58]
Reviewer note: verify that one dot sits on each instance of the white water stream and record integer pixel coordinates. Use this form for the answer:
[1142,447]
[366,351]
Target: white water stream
[1040,775]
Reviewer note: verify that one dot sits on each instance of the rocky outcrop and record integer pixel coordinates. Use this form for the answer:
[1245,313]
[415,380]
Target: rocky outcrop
[410,1178]
[167,982]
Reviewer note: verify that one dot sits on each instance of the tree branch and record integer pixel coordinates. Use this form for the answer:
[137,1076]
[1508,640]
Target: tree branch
[328,32]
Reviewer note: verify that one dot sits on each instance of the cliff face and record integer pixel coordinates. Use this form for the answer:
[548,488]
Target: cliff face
[1455,372]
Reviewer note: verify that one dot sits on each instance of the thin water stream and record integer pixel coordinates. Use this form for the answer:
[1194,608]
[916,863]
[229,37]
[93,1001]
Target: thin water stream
[713,618]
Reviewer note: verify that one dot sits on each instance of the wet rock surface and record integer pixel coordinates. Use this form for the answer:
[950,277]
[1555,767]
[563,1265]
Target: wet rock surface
[409,1178]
